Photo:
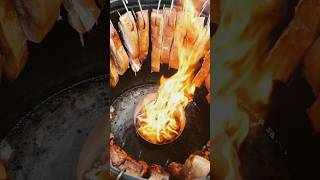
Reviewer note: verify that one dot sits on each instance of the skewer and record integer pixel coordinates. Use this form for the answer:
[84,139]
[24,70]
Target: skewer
[158,7]
[171,6]
[203,7]
[127,2]
[134,14]
[125,5]
[118,13]
[144,22]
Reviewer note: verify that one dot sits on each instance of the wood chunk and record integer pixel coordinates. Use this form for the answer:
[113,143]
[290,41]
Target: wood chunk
[179,36]
[37,17]
[13,41]
[82,14]
[114,77]
[314,115]
[120,56]
[158,173]
[288,51]
[168,33]
[312,66]
[156,39]
[130,38]
[203,72]
[143,30]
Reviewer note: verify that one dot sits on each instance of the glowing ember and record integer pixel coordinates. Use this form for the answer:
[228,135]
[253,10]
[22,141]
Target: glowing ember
[160,121]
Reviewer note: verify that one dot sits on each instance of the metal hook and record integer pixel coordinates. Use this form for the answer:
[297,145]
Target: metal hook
[121,173]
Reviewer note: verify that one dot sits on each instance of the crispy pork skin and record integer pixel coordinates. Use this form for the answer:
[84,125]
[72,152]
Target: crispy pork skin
[289,49]
[82,14]
[114,77]
[13,42]
[196,167]
[156,39]
[120,56]
[179,36]
[203,72]
[130,38]
[143,31]
[169,25]
[117,155]
[158,173]
[37,17]
[312,66]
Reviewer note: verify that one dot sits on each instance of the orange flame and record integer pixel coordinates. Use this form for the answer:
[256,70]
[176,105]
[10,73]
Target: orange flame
[159,122]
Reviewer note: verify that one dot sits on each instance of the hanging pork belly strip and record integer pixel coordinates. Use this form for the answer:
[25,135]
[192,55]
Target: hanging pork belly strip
[179,36]
[156,39]
[118,52]
[203,72]
[298,36]
[169,17]
[130,38]
[114,77]
[312,66]
[13,42]
[143,30]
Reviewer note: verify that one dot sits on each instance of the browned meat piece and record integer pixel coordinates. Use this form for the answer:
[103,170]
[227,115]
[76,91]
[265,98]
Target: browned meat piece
[175,169]
[196,167]
[13,42]
[143,30]
[118,52]
[82,14]
[179,36]
[168,33]
[203,72]
[134,168]
[114,77]
[156,39]
[37,17]
[117,155]
[288,51]
[158,173]
[314,115]
[312,66]
[130,38]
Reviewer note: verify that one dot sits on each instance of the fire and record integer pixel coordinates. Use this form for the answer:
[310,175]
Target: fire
[160,119]
[240,45]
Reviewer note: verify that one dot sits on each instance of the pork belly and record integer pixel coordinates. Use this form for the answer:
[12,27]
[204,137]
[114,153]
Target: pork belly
[179,36]
[114,77]
[168,33]
[203,72]
[130,38]
[289,49]
[82,14]
[13,41]
[156,39]
[312,66]
[120,56]
[143,31]
[196,167]
[117,155]
[158,173]
[175,169]
[37,17]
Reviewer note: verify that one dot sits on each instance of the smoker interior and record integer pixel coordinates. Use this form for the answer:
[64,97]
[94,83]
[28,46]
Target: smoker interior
[60,95]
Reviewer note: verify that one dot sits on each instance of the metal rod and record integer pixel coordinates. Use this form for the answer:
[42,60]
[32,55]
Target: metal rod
[144,21]
[118,13]
[123,1]
[203,7]
[158,7]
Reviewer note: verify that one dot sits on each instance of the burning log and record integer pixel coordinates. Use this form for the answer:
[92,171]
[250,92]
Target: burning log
[3,173]
[312,66]
[158,173]
[156,39]
[114,77]
[143,30]
[314,115]
[299,35]
[179,36]
[82,14]
[168,33]
[129,33]
[203,72]
[118,52]
[37,17]
[13,41]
